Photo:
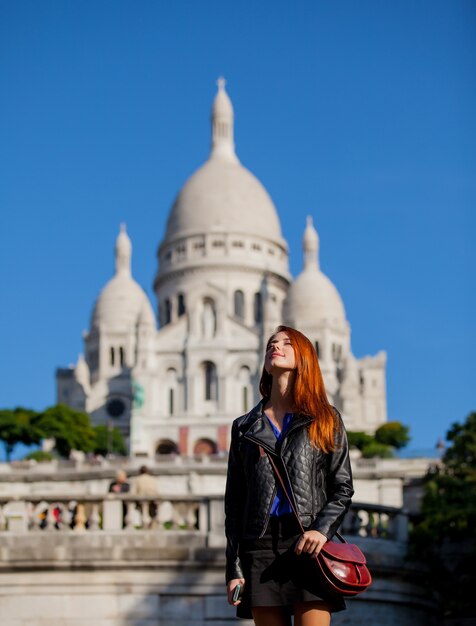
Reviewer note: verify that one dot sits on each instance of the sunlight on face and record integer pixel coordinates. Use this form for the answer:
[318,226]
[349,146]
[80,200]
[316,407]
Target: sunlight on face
[279,354]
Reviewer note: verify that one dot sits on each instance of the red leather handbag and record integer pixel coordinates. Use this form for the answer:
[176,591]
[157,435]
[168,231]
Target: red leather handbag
[342,567]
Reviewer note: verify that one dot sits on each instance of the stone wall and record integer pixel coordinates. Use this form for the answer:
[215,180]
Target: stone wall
[101,574]
[169,577]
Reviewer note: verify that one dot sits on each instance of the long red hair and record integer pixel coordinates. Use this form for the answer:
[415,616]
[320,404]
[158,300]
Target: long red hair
[309,394]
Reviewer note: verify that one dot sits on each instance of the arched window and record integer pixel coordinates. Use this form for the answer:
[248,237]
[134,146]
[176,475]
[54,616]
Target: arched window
[258,308]
[112,355]
[316,345]
[180,304]
[210,380]
[245,384]
[205,446]
[239,304]
[167,311]
[172,390]
[361,382]
[122,356]
[167,446]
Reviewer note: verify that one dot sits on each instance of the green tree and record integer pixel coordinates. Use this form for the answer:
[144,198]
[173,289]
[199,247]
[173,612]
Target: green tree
[374,449]
[39,455]
[449,502]
[393,434]
[108,439]
[368,445]
[444,534]
[16,426]
[359,439]
[71,429]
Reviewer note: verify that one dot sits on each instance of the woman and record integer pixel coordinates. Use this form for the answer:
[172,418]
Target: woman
[267,554]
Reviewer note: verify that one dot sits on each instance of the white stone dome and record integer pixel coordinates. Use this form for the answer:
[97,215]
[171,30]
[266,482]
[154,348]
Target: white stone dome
[312,298]
[222,194]
[122,303]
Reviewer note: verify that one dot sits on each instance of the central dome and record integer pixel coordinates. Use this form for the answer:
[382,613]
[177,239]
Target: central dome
[222,194]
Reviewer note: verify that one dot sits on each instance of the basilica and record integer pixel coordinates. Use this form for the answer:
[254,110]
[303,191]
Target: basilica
[173,382]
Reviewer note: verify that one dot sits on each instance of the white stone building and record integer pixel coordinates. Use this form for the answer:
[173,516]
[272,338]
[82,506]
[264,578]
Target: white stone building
[222,286]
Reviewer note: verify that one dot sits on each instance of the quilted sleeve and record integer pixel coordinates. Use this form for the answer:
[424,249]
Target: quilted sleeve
[339,487]
[234,507]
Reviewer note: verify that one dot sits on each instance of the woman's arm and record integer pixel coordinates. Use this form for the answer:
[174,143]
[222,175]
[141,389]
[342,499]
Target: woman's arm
[339,486]
[234,505]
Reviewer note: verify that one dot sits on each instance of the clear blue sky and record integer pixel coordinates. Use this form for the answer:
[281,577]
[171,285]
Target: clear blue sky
[359,113]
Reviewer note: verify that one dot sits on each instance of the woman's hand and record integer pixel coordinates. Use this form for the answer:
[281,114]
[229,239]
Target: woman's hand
[310,542]
[230,588]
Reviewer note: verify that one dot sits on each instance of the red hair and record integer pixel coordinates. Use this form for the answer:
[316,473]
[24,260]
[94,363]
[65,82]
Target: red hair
[309,394]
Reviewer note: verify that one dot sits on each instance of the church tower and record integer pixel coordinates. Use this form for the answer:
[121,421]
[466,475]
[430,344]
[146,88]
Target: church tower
[120,341]
[314,306]
[223,266]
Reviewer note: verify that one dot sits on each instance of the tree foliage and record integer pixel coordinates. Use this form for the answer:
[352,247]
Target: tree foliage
[71,429]
[358,439]
[374,449]
[393,434]
[449,502]
[108,440]
[387,437]
[444,534]
[41,456]
[16,426]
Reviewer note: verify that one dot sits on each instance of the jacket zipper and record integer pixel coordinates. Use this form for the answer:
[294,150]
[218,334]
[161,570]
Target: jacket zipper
[290,486]
[271,451]
[268,514]
[255,440]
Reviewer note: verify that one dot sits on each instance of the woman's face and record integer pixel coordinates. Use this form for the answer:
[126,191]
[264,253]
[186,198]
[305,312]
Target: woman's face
[279,354]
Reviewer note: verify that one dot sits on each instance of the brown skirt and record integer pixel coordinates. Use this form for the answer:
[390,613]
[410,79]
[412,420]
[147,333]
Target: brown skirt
[276,576]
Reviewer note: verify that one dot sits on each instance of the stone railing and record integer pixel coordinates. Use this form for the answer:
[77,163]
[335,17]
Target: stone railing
[125,513]
[374,520]
[111,512]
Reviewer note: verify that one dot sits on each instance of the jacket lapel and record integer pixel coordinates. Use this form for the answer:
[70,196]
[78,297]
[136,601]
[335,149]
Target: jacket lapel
[260,431]
[298,421]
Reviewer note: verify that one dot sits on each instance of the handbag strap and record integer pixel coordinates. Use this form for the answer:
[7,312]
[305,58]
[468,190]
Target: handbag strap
[280,478]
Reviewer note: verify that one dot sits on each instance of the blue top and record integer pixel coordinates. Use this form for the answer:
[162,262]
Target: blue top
[281,504]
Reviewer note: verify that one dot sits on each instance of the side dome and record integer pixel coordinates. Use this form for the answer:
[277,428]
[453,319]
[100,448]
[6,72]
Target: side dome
[222,194]
[122,303]
[312,298]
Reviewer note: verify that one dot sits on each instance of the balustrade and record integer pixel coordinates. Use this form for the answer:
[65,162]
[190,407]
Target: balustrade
[128,513]
[111,512]
[374,520]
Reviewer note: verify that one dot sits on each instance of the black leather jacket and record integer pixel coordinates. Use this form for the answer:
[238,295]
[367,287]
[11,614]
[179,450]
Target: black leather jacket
[321,484]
